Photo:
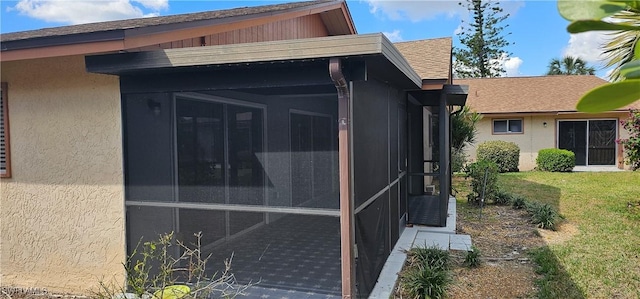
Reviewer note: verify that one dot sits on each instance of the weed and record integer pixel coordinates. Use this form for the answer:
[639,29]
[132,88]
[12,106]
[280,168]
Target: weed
[472,258]
[155,271]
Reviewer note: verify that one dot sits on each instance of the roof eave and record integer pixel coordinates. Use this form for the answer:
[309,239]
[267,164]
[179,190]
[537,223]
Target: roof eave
[123,39]
[375,48]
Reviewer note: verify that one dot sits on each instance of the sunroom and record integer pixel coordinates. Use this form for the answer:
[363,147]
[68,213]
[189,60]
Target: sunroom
[290,155]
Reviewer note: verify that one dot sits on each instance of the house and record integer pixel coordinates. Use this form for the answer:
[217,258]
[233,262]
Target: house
[539,112]
[277,131]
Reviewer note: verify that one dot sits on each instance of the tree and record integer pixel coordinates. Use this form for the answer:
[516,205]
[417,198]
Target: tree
[463,123]
[483,41]
[623,50]
[463,132]
[570,66]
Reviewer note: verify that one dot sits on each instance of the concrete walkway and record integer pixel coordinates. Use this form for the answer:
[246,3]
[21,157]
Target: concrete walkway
[423,236]
[596,168]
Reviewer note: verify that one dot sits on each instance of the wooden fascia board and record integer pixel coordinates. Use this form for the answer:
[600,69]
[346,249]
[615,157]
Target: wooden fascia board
[297,49]
[63,50]
[434,84]
[348,18]
[395,57]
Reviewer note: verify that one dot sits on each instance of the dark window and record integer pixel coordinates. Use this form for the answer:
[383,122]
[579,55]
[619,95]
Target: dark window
[507,126]
[5,157]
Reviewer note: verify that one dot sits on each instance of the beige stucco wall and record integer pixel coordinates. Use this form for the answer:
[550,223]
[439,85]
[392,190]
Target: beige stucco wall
[62,212]
[536,136]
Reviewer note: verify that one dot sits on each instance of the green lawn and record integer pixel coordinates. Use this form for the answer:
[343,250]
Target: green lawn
[603,259]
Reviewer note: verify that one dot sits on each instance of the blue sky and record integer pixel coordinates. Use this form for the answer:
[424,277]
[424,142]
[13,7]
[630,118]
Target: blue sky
[535,27]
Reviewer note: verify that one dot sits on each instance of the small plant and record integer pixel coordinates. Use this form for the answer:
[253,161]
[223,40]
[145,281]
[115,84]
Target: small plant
[431,256]
[472,258]
[518,201]
[484,181]
[158,270]
[544,216]
[505,154]
[555,160]
[503,198]
[426,274]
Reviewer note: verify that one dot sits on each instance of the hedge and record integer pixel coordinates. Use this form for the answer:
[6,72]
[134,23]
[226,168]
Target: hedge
[556,160]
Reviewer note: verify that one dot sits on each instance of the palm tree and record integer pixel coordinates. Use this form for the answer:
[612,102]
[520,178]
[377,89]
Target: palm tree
[620,49]
[570,65]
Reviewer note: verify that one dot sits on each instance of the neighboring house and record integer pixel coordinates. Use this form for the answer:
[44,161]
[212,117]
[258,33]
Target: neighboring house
[539,112]
[277,131]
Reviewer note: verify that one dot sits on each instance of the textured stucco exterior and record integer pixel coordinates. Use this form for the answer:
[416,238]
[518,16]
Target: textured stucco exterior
[535,135]
[62,211]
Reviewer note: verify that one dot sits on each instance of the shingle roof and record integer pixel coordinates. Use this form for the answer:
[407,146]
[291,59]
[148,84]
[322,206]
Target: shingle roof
[430,58]
[154,21]
[530,94]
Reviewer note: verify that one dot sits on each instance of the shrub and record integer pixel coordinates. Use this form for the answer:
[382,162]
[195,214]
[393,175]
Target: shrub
[427,273]
[472,258]
[503,197]
[505,154]
[518,201]
[555,160]
[632,145]
[476,171]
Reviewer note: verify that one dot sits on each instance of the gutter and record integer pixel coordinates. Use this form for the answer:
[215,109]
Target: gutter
[347,230]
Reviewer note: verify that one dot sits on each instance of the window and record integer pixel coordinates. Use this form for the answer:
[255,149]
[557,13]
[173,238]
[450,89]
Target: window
[507,126]
[5,162]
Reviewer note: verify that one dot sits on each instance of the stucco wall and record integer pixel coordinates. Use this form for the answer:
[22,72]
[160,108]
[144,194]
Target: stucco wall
[536,136]
[62,212]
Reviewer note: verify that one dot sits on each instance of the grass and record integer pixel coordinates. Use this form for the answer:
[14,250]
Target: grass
[603,259]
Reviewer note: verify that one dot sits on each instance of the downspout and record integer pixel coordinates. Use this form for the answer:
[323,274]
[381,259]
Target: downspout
[347,230]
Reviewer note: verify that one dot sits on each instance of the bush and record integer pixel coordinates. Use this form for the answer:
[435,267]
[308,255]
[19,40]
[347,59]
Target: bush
[479,184]
[503,198]
[555,160]
[505,154]
[518,201]
[632,145]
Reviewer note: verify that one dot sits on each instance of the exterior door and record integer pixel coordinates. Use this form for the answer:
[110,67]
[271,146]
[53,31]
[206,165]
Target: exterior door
[592,141]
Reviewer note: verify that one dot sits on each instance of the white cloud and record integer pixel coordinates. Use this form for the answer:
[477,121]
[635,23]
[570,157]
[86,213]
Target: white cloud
[512,66]
[154,4]
[87,11]
[394,36]
[415,10]
[587,45]
[418,10]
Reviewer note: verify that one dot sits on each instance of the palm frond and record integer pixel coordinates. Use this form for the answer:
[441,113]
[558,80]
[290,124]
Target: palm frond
[620,49]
